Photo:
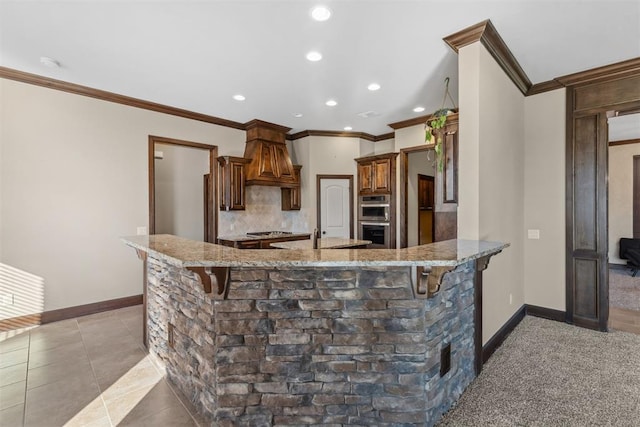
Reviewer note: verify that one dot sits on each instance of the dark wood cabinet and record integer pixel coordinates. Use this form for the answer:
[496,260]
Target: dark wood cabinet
[292,197]
[232,182]
[249,244]
[261,243]
[365,177]
[376,173]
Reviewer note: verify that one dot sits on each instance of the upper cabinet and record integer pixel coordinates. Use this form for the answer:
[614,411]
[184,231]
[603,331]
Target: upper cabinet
[376,173]
[270,162]
[291,197]
[231,171]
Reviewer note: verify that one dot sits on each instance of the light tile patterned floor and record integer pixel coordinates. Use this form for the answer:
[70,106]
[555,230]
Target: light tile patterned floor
[88,371]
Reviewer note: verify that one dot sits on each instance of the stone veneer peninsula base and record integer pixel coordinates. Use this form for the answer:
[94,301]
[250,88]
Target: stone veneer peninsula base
[304,344]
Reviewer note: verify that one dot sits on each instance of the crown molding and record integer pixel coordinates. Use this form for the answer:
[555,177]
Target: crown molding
[409,122]
[262,124]
[487,34]
[544,87]
[337,133]
[421,121]
[624,142]
[34,79]
[606,72]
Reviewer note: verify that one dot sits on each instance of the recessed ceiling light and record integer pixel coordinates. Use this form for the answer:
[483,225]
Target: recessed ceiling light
[314,56]
[348,128]
[418,109]
[49,62]
[298,115]
[239,97]
[320,13]
[373,86]
[331,103]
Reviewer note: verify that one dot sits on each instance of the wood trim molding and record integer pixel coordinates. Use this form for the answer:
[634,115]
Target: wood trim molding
[338,133]
[487,34]
[544,87]
[212,218]
[624,142]
[34,79]
[68,313]
[545,313]
[421,120]
[498,338]
[606,72]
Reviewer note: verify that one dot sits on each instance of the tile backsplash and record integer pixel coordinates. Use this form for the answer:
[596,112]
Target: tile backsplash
[263,213]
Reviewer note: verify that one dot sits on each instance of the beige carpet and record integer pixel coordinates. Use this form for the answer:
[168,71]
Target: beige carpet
[552,374]
[624,290]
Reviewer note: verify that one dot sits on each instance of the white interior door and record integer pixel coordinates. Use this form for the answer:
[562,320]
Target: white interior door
[335,208]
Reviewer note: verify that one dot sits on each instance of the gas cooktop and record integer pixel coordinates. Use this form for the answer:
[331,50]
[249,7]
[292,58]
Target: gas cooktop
[269,233]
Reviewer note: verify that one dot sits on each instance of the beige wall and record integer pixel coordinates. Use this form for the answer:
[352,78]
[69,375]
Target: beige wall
[73,180]
[620,196]
[322,155]
[492,178]
[544,199]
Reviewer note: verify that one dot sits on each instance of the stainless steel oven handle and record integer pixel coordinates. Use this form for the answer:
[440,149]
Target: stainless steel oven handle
[386,224]
[374,205]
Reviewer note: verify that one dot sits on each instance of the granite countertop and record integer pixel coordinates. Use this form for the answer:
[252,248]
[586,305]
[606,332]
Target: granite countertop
[244,237]
[324,243]
[189,253]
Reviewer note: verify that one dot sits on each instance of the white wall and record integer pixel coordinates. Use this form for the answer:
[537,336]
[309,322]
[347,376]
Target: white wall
[491,178]
[179,189]
[544,199]
[74,179]
[620,196]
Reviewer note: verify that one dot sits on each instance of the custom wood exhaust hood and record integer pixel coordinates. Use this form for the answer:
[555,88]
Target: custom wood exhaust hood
[270,161]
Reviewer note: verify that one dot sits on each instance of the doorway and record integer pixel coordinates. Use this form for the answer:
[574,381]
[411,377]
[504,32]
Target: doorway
[624,219]
[335,205]
[182,193]
[417,203]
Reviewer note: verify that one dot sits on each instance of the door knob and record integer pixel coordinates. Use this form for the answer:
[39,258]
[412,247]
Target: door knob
[324,232]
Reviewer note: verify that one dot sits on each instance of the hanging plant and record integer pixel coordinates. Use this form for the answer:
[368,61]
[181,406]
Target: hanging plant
[436,123]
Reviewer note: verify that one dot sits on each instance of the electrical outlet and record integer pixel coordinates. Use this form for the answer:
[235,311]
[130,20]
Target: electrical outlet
[141,231]
[6,299]
[533,234]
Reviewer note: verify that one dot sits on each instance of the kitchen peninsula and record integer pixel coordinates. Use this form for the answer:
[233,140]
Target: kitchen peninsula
[339,336]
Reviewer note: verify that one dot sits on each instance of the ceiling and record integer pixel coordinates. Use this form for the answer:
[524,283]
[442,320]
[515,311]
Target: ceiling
[196,55]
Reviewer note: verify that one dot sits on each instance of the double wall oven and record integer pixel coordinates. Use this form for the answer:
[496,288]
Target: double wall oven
[374,220]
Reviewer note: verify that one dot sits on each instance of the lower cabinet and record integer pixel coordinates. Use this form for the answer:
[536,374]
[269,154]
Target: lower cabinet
[261,243]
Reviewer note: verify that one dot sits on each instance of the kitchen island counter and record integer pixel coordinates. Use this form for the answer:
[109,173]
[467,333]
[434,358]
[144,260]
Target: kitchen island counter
[315,336]
[189,253]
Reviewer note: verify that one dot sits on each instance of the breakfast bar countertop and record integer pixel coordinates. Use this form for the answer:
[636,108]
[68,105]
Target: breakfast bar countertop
[189,253]
[324,243]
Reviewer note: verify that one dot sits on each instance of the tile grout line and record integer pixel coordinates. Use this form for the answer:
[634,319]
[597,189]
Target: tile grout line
[26,381]
[95,377]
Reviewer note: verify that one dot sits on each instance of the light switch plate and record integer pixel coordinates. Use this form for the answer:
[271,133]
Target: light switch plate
[533,234]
